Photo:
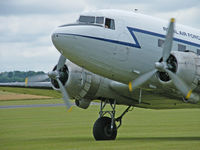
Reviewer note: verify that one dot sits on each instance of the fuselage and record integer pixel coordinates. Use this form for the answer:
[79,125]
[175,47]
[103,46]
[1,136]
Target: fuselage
[120,45]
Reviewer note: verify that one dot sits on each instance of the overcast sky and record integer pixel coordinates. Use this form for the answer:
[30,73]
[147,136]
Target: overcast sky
[26,25]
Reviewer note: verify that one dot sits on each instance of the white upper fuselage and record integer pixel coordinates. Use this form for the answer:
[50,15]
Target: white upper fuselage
[122,53]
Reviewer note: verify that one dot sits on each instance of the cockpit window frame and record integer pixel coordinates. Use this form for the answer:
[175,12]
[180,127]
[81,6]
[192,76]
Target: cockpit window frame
[103,21]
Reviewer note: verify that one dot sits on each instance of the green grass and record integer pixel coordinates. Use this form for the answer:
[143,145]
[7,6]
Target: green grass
[52,128]
[43,92]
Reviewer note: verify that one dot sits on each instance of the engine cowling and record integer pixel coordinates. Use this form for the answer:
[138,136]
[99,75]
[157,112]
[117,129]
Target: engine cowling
[83,83]
[83,103]
[188,67]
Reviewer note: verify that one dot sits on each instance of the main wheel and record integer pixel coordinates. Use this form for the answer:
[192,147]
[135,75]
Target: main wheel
[102,129]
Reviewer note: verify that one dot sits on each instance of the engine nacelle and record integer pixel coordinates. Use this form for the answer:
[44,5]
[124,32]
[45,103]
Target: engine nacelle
[185,65]
[85,86]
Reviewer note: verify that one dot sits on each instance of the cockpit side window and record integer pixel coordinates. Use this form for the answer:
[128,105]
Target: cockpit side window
[110,23]
[87,19]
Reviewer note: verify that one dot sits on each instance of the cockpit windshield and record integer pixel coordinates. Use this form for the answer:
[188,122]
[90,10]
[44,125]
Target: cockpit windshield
[98,20]
[91,19]
[87,19]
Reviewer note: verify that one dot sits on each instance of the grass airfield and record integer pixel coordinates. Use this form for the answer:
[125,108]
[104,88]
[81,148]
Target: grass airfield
[53,128]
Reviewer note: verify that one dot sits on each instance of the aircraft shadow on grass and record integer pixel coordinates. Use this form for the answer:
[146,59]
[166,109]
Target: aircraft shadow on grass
[159,138]
[82,139]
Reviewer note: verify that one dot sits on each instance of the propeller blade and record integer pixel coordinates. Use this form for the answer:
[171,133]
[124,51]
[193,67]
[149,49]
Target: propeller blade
[141,80]
[65,95]
[180,85]
[168,41]
[38,78]
[61,62]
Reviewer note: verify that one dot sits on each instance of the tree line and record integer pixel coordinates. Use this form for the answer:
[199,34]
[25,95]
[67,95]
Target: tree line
[17,76]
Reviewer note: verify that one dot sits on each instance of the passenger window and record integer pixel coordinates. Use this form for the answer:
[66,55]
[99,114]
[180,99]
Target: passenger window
[198,51]
[109,23]
[87,19]
[99,20]
[160,42]
[181,48]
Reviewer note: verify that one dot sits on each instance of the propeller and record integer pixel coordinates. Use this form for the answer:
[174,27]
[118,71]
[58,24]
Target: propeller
[38,78]
[56,76]
[163,67]
[141,79]
[43,77]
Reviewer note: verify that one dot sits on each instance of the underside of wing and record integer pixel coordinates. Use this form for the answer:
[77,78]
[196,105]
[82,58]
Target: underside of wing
[160,99]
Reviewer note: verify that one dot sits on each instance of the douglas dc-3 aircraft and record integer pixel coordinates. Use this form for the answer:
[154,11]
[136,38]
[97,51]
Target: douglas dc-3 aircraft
[122,58]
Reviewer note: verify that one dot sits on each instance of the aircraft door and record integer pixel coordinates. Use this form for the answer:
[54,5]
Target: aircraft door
[121,52]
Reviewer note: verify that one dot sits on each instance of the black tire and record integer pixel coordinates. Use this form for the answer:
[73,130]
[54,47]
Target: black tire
[102,129]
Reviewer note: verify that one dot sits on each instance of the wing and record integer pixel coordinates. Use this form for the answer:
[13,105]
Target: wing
[46,85]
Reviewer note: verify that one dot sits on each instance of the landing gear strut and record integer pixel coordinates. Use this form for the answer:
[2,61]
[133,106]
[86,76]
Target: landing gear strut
[105,127]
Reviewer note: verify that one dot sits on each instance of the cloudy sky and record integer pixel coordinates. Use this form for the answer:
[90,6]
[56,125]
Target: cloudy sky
[26,25]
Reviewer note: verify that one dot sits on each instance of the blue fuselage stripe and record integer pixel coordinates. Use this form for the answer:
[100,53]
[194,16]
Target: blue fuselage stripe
[136,45]
[103,39]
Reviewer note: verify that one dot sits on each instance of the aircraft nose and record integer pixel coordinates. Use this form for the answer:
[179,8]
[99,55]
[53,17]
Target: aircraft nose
[63,39]
[72,41]
[55,40]
[54,37]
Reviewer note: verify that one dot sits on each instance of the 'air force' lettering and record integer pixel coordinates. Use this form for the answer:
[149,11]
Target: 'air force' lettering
[163,36]
[183,33]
